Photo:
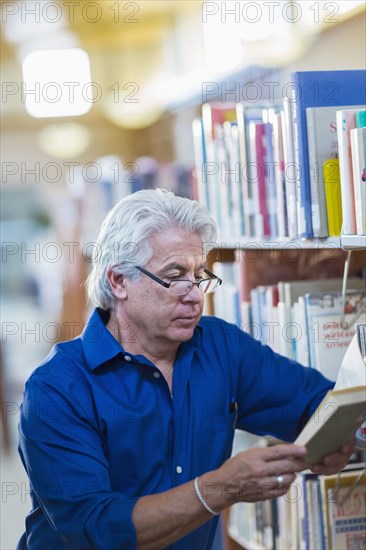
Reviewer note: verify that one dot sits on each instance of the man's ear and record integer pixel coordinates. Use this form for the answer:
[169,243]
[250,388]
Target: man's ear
[118,284]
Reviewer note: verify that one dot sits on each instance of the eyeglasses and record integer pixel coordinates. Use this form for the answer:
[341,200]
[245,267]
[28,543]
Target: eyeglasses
[181,287]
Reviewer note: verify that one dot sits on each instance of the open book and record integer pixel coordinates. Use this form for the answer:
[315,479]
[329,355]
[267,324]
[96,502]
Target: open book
[333,423]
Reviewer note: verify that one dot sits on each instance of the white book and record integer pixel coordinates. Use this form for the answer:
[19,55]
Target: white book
[346,121]
[358,150]
[285,330]
[302,344]
[290,169]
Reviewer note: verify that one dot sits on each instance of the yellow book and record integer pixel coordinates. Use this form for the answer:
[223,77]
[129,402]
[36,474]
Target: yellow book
[333,423]
[332,183]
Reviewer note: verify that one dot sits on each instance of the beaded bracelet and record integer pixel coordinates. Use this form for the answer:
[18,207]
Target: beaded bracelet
[203,502]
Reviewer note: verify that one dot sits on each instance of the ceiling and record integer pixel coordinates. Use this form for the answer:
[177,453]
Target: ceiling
[127,42]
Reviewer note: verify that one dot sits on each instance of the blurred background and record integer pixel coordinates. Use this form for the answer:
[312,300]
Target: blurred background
[97,101]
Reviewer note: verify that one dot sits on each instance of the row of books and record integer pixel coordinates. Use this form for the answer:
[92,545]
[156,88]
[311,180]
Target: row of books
[322,512]
[291,169]
[306,320]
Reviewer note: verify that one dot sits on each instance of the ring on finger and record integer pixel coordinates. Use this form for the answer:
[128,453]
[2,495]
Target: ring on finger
[280,481]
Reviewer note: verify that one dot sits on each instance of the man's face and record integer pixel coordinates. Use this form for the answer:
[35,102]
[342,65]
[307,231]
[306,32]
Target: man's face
[159,316]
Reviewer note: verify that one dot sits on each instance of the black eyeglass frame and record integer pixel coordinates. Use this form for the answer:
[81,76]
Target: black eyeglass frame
[167,285]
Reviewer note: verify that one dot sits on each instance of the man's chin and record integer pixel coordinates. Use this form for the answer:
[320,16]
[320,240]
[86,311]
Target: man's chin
[183,331]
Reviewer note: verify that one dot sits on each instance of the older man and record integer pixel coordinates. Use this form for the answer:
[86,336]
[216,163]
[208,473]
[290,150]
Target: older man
[126,431]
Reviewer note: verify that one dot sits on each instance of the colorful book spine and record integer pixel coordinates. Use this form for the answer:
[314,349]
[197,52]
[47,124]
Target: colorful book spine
[332,187]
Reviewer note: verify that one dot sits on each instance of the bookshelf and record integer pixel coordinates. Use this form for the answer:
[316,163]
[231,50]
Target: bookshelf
[221,187]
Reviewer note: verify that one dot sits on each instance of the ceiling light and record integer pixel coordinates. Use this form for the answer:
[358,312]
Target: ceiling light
[57,83]
[65,140]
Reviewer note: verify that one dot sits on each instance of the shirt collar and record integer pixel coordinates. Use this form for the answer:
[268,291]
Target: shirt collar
[99,344]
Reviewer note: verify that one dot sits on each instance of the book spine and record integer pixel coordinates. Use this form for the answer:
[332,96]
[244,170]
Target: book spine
[361,119]
[345,122]
[317,191]
[237,203]
[289,168]
[304,217]
[358,149]
[199,150]
[245,183]
[271,191]
[279,164]
[260,157]
[332,184]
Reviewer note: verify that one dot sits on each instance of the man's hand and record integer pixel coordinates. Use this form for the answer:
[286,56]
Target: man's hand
[334,462]
[256,474]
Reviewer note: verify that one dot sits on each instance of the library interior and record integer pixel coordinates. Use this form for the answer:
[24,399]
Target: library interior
[256,110]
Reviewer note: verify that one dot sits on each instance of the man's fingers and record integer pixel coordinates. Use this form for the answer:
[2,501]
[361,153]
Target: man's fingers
[349,446]
[287,465]
[279,452]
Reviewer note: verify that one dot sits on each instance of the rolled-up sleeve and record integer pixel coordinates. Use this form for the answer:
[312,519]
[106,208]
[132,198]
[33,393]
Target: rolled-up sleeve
[61,446]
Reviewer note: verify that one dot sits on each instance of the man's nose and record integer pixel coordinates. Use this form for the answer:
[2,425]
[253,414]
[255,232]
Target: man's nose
[194,295]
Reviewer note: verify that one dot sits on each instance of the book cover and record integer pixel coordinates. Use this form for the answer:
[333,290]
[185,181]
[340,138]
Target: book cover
[346,121]
[344,498]
[358,151]
[329,336]
[318,89]
[332,186]
[353,367]
[335,420]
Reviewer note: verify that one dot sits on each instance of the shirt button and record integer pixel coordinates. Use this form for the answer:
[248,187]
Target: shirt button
[156,374]
[179,469]
[127,358]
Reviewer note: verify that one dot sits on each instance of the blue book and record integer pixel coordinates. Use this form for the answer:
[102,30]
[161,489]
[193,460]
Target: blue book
[318,89]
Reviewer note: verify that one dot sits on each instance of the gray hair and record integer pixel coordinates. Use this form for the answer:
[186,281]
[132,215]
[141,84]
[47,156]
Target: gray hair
[124,238]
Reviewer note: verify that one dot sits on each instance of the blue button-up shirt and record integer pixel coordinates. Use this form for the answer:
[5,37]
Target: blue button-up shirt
[99,428]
